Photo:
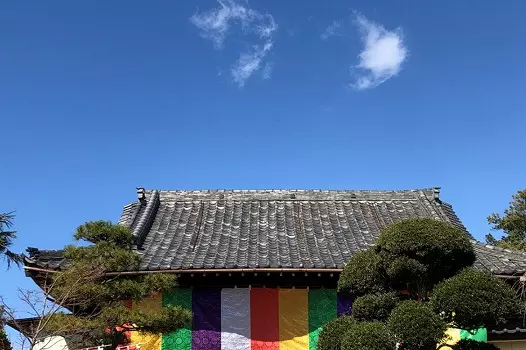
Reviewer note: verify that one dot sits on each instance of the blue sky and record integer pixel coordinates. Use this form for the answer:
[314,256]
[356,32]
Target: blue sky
[99,97]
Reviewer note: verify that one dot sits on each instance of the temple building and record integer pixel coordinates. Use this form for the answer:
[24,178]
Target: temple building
[259,268]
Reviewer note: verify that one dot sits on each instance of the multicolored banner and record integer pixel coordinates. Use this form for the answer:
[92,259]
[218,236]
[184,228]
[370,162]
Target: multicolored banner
[455,334]
[246,319]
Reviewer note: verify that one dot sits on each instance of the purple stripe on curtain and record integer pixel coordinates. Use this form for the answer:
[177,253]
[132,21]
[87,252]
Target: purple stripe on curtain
[344,304]
[206,326]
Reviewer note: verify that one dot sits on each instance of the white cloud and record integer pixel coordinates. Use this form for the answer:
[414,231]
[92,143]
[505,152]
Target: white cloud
[215,25]
[331,30]
[267,71]
[249,63]
[382,57]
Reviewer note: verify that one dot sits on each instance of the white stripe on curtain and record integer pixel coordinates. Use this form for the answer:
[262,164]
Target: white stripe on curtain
[235,319]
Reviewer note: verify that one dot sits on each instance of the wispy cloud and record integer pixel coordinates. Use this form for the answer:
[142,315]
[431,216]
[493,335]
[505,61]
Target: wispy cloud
[331,30]
[267,71]
[249,63]
[215,25]
[382,57]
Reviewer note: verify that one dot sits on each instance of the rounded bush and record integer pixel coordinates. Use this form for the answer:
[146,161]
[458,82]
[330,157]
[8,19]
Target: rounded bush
[469,344]
[368,336]
[363,274]
[332,332]
[416,325]
[374,307]
[403,272]
[439,247]
[474,299]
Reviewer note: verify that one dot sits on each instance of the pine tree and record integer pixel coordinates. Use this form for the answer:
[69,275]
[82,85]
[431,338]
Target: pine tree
[95,287]
[6,239]
[512,223]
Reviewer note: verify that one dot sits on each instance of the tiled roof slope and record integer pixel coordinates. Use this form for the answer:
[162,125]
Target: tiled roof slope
[278,228]
[283,229]
[498,260]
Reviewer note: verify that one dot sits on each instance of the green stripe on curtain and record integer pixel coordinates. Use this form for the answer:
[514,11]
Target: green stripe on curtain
[181,339]
[322,308]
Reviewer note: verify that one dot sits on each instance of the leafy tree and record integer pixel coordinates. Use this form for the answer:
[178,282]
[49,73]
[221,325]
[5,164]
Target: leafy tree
[512,223]
[367,336]
[95,285]
[419,253]
[427,262]
[363,274]
[416,325]
[375,307]
[330,337]
[6,239]
[5,344]
[473,299]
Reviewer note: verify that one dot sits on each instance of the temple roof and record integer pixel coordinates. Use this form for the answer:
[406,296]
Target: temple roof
[295,229]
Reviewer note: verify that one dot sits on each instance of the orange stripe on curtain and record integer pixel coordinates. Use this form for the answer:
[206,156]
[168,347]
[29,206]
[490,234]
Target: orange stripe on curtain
[293,319]
[148,341]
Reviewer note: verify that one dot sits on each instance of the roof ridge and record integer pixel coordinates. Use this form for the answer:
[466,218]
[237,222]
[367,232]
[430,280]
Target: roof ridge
[291,195]
[276,190]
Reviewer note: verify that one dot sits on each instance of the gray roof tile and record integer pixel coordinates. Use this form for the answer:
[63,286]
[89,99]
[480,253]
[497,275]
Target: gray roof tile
[278,228]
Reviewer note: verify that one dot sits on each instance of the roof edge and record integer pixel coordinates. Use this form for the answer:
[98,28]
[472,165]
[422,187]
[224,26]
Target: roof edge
[146,219]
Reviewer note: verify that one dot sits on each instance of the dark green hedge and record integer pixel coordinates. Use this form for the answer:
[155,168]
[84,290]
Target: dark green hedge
[430,249]
[468,344]
[473,299]
[363,274]
[374,307]
[331,335]
[415,324]
[368,336]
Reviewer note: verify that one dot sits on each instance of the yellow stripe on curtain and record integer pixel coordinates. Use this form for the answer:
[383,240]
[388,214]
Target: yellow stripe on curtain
[147,341]
[293,319]
[452,337]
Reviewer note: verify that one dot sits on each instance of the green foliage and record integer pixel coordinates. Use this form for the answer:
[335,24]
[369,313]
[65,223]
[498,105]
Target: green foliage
[513,223]
[473,299]
[331,335]
[6,239]
[363,274]
[415,324]
[420,256]
[470,344]
[422,252]
[93,286]
[5,344]
[104,232]
[368,336]
[147,320]
[374,307]
[404,271]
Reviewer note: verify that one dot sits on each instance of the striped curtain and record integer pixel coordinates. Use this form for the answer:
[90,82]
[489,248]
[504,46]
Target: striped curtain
[246,319]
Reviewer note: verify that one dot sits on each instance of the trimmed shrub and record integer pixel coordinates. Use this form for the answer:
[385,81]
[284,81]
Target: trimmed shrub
[331,335]
[470,344]
[430,250]
[368,336]
[416,325]
[363,274]
[374,307]
[405,273]
[474,299]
